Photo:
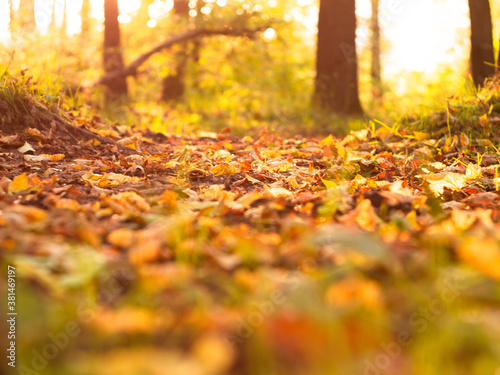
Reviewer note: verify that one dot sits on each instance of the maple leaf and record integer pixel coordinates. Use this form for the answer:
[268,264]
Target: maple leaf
[438,181]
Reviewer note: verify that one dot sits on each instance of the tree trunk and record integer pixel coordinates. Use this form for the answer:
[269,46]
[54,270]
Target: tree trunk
[497,66]
[54,29]
[53,23]
[84,14]
[376,71]
[173,85]
[482,57]
[27,15]
[11,16]
[64,23]
[336,84]
[112,54]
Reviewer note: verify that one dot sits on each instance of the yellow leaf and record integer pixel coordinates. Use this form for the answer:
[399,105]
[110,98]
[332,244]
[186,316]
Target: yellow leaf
[169,198]
[463,220]
[126,202]
[482,254]
[419,136]
[19,183]
[340,150]
[117,179]
[222,154]
[473,172]
[277,192]
[68,204]
[55,157]
[146,251]
[279,167]
[125,320]
[211,350]
[360,134]
[366,217]
[272,239]
[292,181]
[397,188]
[363,215]
[212,192]
[224,168]
[484,121]
[357,182]
[172,164]
[329,184]
[437,182]
[43,157]
[328,141]
[121,237]
[154,277]
[353,291]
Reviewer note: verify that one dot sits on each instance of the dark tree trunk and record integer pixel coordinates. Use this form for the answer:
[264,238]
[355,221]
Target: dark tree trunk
[173,85]
[112,54]
[336,84]
[482,57]
[376,70]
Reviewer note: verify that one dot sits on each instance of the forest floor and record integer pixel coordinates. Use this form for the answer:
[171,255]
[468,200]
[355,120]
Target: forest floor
[140,253]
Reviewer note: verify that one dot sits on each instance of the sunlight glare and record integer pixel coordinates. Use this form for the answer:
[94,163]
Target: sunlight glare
[156,10]
[129,6]
[303,3]
[124,18]
[169,5]
[269,34]
[424,35]
[4,23]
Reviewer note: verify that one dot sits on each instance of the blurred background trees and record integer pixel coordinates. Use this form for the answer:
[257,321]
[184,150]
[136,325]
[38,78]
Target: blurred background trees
[268,78]
[173,85]
[26,16]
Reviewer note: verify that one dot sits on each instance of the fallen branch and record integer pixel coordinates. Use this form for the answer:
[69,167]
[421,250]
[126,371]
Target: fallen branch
[131,69]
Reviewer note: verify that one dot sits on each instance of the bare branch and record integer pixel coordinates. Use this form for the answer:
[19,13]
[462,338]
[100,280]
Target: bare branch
[132,68]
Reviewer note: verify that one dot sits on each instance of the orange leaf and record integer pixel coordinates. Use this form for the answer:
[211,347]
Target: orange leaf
[482,254]
[19,183]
